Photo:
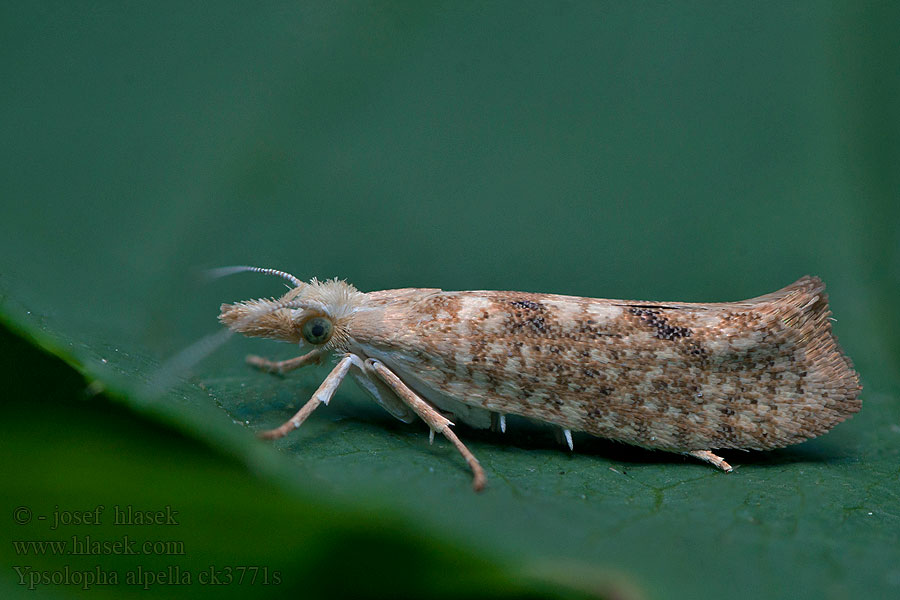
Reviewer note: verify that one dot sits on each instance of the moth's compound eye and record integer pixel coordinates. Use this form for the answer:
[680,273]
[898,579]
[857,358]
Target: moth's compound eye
[317,330]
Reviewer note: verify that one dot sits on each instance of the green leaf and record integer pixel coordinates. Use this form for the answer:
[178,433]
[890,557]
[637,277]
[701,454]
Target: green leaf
[143,509]
[615,151]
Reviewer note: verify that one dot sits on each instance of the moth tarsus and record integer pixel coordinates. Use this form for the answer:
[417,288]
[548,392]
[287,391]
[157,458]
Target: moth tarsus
[682,377]
[712,459]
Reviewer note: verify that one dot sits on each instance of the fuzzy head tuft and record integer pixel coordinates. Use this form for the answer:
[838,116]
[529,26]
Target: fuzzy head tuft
[284,318]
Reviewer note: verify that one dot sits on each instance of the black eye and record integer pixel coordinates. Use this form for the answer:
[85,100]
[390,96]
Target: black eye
[317,330]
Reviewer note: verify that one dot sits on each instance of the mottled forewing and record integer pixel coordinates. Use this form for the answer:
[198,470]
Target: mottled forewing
[758,374]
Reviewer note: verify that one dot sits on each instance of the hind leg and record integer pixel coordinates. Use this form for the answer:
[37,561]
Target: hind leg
[707,456]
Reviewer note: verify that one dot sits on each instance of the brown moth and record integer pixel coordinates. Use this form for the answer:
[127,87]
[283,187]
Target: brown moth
[676,376]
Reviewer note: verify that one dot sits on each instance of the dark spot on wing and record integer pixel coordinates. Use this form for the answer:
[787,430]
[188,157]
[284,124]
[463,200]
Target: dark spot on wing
[654,319]
[528,305]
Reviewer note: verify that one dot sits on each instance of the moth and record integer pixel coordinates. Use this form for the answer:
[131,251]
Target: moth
[682,377]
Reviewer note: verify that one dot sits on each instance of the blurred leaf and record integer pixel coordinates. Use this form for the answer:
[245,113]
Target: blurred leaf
[70,456]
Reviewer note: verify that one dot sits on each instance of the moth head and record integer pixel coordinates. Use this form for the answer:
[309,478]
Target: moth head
[316,314]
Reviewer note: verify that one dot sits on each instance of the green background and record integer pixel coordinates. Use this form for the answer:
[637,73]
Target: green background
[693,152]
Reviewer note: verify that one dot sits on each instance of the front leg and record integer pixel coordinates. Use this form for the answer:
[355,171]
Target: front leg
[284,366]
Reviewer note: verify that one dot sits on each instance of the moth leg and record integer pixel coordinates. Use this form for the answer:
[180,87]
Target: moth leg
[321,396]
[382,394]
[718,461]
[283,366]
[437,422]
[564,436]
[498,422]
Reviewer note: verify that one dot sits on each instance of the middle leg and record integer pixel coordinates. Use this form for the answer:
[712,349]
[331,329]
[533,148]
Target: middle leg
[435,420]
[321,396]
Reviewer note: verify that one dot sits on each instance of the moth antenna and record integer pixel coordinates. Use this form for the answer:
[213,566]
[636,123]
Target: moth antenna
[190,356]
[224,271]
